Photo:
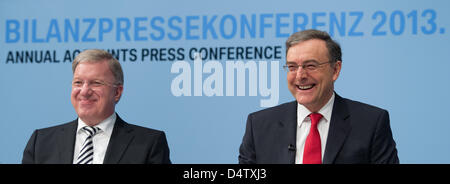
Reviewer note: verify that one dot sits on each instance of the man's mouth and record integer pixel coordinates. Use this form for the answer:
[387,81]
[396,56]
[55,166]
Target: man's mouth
[86,101]
[305,87]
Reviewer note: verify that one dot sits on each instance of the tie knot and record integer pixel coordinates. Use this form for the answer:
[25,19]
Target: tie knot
[315,118]
[91,130]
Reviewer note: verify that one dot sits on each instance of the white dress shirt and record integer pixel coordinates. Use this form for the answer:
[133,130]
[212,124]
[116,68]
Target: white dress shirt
[304,124]
[100,140]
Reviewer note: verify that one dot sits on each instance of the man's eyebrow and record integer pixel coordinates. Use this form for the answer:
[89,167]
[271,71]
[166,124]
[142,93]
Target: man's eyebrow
[290,62]
[310,60]
[307,61]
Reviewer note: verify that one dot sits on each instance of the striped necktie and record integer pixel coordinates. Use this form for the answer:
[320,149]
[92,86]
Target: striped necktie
[86,155]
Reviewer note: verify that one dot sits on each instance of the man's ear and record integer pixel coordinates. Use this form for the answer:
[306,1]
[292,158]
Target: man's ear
[337,69]
[118,93]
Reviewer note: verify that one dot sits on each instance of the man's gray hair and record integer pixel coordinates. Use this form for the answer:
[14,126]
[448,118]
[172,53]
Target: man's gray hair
[97,55]
[334,50]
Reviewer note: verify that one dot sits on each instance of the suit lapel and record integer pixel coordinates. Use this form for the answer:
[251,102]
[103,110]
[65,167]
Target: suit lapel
[66,142]
[338,131]
[288,125]
[119,141]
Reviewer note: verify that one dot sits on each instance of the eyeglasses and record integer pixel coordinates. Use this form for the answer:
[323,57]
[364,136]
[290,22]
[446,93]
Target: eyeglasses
[94,84]
[309,66]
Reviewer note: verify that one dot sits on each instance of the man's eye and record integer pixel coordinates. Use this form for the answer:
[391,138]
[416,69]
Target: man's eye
[97,83]
[292,67]
[77,83]
[311,66]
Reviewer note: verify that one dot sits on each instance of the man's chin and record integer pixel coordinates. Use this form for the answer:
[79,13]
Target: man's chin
[304,99]
[308,102]
[86,115]
[90,120]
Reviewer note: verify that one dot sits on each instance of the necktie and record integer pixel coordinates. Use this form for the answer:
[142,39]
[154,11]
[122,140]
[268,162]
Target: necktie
[86,155]
[312,154]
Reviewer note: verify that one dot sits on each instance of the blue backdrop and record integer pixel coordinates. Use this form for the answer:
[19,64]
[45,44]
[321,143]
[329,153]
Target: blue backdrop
[196,69]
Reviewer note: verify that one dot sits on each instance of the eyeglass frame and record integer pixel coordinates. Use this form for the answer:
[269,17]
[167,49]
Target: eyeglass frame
[305,66]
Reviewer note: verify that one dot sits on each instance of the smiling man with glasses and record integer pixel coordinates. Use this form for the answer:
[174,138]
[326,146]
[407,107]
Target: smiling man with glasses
[319,126]
[98,135]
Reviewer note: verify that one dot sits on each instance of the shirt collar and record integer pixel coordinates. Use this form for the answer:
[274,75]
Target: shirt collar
[106,125]
[326,110]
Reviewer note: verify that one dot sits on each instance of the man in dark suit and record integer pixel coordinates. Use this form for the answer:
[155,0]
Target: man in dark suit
[320,126]
[98,135]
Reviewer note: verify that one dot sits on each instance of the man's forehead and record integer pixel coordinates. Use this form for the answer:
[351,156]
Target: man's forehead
[314,50]
[308,45]
[92,69]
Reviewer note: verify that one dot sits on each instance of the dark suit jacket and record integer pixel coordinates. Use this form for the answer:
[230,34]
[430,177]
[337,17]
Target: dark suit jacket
[129,144]
[358,133]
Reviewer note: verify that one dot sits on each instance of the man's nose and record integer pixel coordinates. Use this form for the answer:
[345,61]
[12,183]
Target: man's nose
[301,73]
[85,89]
